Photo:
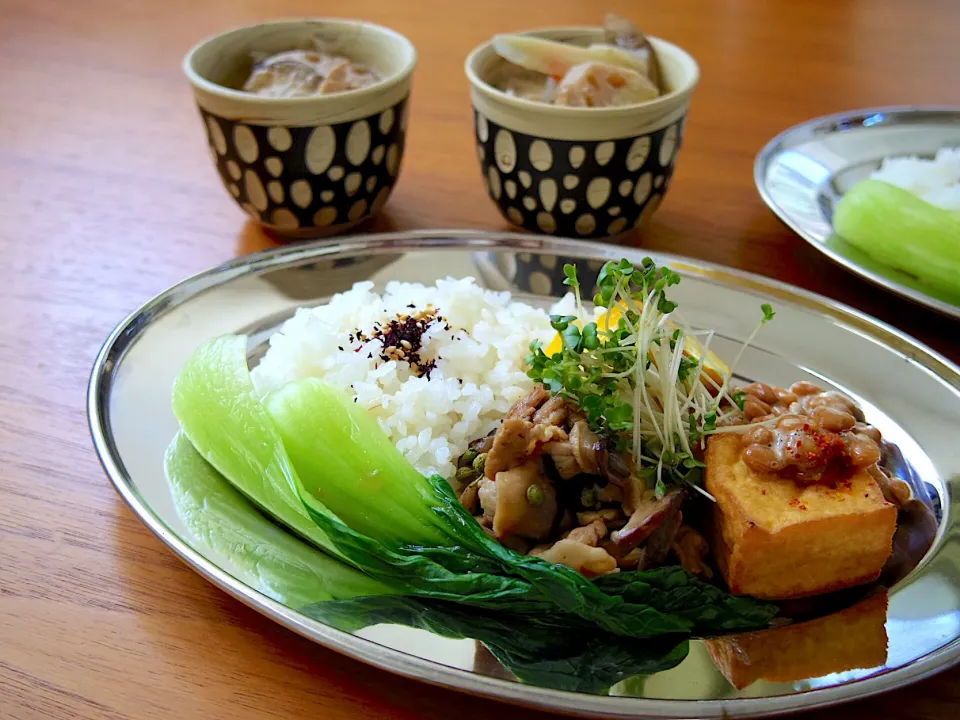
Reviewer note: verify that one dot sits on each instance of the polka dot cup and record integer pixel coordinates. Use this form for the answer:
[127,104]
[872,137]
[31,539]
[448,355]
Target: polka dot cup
[578,172]
[305,167]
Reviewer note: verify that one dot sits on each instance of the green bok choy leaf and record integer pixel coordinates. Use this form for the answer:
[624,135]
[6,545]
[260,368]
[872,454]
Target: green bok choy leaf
[260,554]
[902,230]
[542,649]
[321,465]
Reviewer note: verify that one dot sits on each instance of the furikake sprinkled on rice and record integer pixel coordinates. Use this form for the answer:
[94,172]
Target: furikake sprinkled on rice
[402,339]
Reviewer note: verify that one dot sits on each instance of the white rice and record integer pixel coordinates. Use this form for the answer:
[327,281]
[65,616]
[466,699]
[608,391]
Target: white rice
[937,181]
[480,362]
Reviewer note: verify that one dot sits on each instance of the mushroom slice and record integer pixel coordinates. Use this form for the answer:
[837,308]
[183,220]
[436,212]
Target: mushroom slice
[645,520]
[586,446]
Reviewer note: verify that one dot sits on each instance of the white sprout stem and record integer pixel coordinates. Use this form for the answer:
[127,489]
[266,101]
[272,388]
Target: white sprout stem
[666,409]
[704,493]
[722,393]
[670,384]
[736,360]
[772,422]
[642,333]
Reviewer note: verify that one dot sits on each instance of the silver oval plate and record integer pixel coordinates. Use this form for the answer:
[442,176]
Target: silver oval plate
[910,393]
[804,171]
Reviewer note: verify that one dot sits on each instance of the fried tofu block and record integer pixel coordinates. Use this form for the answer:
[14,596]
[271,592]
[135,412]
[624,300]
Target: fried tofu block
[846,640]
[775,539]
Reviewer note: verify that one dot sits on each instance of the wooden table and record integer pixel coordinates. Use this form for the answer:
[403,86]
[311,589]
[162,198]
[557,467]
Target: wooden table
[107,196]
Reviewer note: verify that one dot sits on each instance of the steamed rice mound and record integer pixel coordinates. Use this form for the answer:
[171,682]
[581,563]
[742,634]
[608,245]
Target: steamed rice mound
[935,180]
[479,373]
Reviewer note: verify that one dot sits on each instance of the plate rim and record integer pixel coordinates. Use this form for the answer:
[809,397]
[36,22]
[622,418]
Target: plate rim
[435,673]
[776,145]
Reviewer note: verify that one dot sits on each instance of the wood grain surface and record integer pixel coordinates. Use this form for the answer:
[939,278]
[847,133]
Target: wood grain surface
[107,196]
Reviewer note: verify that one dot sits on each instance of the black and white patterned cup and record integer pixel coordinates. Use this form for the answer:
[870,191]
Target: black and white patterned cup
[314,166]
[574,171]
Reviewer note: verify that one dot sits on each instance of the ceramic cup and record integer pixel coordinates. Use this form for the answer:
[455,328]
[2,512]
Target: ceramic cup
[575,171]
[313,166]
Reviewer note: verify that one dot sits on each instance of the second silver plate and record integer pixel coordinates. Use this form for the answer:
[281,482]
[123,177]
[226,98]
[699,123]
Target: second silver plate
[804,171]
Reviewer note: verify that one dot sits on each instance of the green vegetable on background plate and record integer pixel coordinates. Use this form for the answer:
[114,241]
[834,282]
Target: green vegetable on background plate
[902,230]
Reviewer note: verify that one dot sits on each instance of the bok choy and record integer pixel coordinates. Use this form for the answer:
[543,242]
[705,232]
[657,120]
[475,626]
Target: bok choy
[258,552]
[541,649]
[320,465]
[902,230]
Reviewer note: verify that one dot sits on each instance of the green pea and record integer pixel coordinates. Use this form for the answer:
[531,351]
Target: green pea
[466,475]
[535,495]
[588,498]
[466,460]
[479,462]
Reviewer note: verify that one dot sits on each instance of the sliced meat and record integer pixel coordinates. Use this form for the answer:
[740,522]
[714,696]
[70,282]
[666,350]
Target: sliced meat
[509,446]
[526,408]
[563,459]
[590,561]
[553,412]
[487,495]
[590,534]
[522,511]
[470,497]
[543,434]
[611,517]
[517,440]
[578,453]
[646,519]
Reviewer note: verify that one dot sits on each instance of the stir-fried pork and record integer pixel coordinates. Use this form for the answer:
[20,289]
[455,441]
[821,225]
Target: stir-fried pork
[526,502]
[579,550]
[588,560]
[528,406]
[548,478]
[509,446]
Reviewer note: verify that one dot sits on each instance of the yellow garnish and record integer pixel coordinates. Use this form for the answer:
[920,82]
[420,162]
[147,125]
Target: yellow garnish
[713,366]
